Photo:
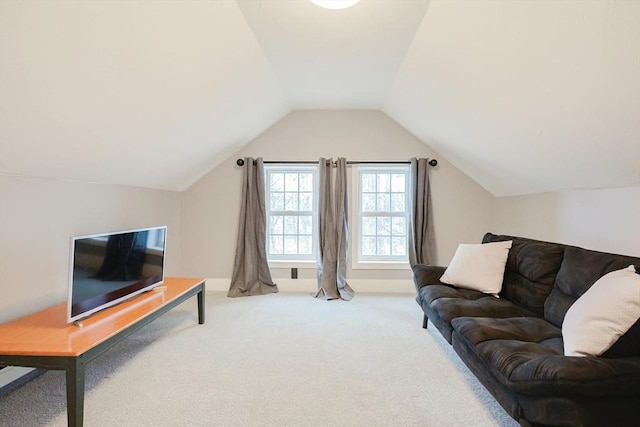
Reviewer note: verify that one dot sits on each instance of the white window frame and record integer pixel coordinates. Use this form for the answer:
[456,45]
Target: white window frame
[292,260]
[360,261]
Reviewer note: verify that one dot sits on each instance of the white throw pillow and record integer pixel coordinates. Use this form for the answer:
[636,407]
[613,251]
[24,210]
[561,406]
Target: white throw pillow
[478,266]
[602,314]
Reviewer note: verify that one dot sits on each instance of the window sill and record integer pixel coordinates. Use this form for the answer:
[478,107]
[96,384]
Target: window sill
[373,265]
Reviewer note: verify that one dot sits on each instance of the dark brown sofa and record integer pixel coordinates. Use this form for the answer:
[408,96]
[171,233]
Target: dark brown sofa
[514,345]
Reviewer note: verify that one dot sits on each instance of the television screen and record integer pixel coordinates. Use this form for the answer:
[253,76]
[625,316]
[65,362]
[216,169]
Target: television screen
[112,267]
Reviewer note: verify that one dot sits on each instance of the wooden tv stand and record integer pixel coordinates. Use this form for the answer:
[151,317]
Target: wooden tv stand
[45,340]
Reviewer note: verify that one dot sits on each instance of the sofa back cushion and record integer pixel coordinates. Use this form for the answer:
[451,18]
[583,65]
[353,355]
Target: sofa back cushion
[531,270]
[579,270]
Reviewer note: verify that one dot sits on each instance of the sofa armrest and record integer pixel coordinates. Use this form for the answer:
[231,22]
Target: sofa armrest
[424,275]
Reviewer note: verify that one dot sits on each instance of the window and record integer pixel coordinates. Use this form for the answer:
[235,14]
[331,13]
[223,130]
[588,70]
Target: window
[291,213]
[379,223]
[382,214]
[156,238]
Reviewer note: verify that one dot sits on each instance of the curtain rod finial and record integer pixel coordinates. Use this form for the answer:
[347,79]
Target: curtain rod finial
[240,162]
[433,162]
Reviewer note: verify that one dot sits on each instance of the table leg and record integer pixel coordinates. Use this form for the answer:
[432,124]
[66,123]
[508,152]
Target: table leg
[201,307]
[75,392]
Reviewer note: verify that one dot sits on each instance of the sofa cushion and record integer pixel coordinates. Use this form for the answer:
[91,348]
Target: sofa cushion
[478,266]
[579,271]
[526,355]
[627,344]
[604,313]
[449,302]
[530,271]
[433,292]
[424,275]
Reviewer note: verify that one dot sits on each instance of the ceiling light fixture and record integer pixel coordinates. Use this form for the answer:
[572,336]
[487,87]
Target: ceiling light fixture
[334,4]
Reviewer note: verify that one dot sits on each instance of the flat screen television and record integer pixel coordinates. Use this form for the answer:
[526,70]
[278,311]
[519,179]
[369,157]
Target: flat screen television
[109,268]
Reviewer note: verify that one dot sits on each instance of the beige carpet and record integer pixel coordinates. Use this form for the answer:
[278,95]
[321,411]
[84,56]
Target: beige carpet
[277,360]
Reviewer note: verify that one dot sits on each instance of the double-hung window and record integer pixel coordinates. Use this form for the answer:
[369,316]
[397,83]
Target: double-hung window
[291,212]
[383,214]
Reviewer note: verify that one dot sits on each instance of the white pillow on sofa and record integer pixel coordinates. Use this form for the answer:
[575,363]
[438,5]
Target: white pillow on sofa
[602,314]
[478,266]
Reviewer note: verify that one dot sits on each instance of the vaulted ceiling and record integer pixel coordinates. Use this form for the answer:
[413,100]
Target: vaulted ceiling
[524,97]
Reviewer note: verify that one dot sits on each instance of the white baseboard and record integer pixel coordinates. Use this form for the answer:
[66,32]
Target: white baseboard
[395,286]
[12,373]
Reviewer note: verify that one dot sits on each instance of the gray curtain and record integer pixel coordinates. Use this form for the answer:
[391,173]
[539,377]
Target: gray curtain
[333,232]
[421,239]
[251,275]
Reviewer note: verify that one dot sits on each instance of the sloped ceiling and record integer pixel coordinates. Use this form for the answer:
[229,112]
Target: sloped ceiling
[525,97]
[142,93]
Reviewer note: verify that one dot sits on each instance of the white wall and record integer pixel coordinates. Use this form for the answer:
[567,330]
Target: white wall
[38,217]
[606,220]
[462,209]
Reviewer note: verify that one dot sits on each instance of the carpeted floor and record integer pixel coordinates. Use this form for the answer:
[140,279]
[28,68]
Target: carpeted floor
[277,360]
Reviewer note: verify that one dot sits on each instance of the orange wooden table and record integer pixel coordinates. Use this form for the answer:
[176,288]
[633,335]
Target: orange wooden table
[45,340]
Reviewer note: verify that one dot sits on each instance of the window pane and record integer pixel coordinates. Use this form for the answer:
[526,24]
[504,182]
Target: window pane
[276,225]
[277,182]
[384,226]
[291,182]
[384,246]
[290,244]
[290,225]
[384,183]
[368,226]
[276,202]
[397,183]
[290,201]
[398,245]
[368,182]
[275,244]
[383,203]
[369,202]
[306,182]
[397,203]
[368,246]
[398,226]
[306,202]
[305,245]
[305,224]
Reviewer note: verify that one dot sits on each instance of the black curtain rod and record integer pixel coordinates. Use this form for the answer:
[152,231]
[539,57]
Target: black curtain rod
[432,162]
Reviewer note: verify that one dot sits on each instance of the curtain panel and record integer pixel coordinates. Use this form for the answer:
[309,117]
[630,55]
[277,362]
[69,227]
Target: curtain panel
[251,275]
[421,238]
[333,236]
